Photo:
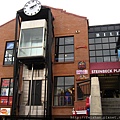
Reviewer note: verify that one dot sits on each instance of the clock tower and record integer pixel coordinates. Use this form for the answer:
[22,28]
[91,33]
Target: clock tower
[33,61]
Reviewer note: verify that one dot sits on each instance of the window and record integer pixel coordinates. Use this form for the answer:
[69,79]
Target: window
[64,49]
[31,42]
[64,91]
[6,92]
[9,56]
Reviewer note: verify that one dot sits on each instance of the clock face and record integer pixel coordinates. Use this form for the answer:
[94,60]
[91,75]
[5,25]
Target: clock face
[32,7]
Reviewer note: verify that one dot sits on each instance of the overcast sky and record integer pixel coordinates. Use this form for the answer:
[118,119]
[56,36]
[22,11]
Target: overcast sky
[98,12]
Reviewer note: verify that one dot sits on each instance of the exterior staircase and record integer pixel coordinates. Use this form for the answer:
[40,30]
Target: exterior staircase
[110,106]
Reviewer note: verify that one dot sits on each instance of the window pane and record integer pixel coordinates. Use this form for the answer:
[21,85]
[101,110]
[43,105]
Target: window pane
[91,29]
[91,41]
[112,45]
[59,81]
[61,58]
[92,53]
[11,92]
[105,46]
[69,49]
[59,90]
[97,28]
[99,59]
[92,59]
[106,52]
[114,58]
[61,41]
[117,27]
[61,49]
[11,83]
[112,39]
[104,40]
[92,47]
[69,40]
[9,58]
[98,46]
[103,28]
[31,37]
[5,82]
[98,40]
[110,27]
[107,59]
[91,35]
[69,80]
[10,45]
[112,52]
[98,53]
[4,91]
[56,100]
[69,57]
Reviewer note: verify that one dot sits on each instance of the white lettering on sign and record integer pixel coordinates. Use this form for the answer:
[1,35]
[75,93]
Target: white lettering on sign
[81,72]
[106,71]
[108,34]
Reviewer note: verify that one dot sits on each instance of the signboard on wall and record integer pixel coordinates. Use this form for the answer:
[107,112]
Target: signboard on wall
[105,71]
[5,111]
[78,72]
[81,65]
[5,100]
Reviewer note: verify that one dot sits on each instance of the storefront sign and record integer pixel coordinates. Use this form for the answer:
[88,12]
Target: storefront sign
[6,100]
[5,111]
[104,34]
[105,71]
[81,65]
[81,72]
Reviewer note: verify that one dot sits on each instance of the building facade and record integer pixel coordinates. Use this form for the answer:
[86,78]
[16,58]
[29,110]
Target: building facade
[48,76]
[104,60]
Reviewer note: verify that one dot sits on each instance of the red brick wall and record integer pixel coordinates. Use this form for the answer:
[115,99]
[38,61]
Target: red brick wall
[7,33]
[66,24]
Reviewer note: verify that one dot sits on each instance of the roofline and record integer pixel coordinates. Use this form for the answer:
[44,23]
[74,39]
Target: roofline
[7,22]
[66,12]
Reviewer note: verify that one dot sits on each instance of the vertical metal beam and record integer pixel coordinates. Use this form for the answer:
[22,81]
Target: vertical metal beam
[49,63]
[15,72]
[31,90]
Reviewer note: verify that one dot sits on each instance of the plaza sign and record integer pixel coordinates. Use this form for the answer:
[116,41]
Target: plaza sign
[105,71]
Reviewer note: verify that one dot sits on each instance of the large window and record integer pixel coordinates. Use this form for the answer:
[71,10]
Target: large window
[31,42]
[102,45]
[64,49]
[6,91]
[9,56]
[64,91]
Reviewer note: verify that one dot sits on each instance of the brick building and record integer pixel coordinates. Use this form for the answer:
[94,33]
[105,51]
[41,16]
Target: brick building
[59,74]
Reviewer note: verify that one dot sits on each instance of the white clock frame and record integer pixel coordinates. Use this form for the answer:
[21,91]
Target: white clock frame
[32,7]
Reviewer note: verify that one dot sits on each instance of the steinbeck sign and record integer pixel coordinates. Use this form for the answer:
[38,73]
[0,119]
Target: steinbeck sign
[105,71]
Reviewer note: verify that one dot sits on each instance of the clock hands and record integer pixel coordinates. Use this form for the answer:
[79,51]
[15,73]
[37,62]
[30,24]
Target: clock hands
[33,6]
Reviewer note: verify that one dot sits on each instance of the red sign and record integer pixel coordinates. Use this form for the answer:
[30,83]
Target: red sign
[10,101]
[3,100]
[5,83]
